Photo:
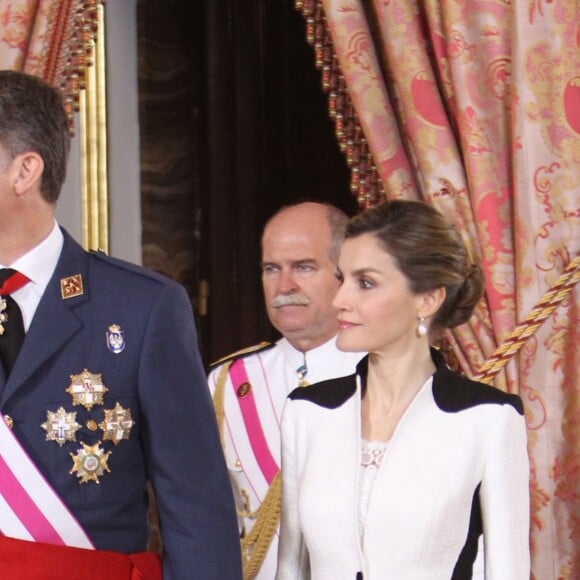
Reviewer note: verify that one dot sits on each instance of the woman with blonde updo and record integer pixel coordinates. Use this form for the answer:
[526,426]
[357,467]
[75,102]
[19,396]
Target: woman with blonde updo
[404,470]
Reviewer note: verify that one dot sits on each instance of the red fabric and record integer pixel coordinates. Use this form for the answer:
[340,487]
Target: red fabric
[15,282]
[146,566]
[22,560]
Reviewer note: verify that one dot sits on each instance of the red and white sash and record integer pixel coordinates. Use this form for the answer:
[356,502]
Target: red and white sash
[30,509]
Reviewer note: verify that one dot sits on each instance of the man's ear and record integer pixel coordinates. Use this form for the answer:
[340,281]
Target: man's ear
[431,301]
[28,169]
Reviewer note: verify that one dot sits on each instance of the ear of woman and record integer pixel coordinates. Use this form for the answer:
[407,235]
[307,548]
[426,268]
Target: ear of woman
[431,302]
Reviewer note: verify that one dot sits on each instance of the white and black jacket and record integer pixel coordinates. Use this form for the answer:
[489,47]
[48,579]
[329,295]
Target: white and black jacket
[456,467]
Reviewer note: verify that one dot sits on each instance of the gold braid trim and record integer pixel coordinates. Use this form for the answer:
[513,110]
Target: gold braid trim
[365,182]
[255,545]
[533,321]
[218,399]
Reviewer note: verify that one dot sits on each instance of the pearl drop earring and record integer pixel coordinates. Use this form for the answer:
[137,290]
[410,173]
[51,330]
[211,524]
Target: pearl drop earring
[422,327]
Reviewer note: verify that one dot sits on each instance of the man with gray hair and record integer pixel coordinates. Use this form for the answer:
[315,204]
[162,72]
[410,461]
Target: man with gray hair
[300,247]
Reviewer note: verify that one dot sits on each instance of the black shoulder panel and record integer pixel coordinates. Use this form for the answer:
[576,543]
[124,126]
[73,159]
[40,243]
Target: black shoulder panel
[330,394]
[453,393]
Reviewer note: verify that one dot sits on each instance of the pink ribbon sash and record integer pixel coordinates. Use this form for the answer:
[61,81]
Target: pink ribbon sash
[30,509]
[247,403]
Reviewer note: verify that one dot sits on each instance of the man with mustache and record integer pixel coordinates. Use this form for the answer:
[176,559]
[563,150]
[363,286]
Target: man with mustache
[300,247]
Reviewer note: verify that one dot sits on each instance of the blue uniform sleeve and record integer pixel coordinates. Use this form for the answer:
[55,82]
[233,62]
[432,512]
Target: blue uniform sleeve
[184,457]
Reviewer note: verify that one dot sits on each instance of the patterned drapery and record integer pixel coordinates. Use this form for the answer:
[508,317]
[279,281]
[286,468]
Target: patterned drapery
[51,39]
[474,106]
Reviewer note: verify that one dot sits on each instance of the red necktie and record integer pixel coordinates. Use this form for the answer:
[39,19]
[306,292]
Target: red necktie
[11,324]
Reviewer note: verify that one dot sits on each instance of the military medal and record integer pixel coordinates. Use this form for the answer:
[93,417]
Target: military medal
[90,463]
[115,339]
[244,390]
[60,426]
[3,315]
[87,389]
[117,424]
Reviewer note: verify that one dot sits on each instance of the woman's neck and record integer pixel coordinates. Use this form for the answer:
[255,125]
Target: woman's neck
[392,384]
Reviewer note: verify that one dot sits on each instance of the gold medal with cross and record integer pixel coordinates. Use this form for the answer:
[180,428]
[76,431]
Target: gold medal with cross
[87,389]
[90,462]
[117,424]
[60,426]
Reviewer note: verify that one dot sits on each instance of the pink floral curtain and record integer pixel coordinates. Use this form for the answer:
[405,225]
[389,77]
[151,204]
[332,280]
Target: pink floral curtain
[474,106]
[50,39]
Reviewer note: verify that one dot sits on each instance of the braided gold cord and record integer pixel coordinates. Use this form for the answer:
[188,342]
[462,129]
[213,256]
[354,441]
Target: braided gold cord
[532,322]
[218,399]
[255,545]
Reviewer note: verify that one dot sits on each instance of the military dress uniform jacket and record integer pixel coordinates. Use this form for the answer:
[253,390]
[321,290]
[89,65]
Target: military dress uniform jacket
[150,366]
[272,373]
[457,463]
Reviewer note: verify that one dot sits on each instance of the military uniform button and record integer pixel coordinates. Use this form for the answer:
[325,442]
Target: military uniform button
[9,421]
[92,425]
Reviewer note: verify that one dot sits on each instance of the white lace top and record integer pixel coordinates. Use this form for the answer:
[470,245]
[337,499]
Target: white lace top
[372,453]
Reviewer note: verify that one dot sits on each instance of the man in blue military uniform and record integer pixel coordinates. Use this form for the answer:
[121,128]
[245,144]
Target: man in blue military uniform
[101,387]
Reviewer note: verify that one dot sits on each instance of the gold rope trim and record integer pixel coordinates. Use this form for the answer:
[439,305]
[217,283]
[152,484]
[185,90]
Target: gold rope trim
[532,322]
[218,399]
[255,545]
[365,182]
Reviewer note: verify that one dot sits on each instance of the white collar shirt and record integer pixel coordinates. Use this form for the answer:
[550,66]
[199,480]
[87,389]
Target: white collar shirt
[38,265]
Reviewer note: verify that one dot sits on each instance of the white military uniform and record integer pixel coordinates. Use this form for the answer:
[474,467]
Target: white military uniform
[271,371]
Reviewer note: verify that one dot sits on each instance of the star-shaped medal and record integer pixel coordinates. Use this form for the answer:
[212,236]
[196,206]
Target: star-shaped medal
[60,426]
[117,424]
[90,462]
[87,389]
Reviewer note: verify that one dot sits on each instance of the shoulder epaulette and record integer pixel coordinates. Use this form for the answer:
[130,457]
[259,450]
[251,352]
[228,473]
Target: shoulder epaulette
[242,353]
